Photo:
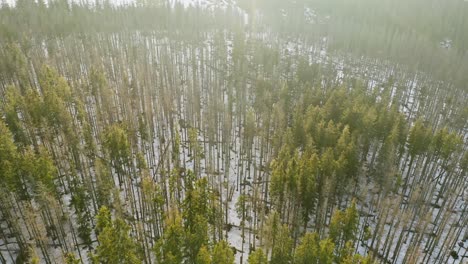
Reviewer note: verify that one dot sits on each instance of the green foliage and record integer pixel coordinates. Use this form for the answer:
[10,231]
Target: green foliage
[104,182]
[418,140]
[196,202]
[314,251]
[204,256]
[282,248]
[270,229]
[98,82]
[258,257]
[39,170]
[346,253]
[116,142]
[343,227]
[56,94]
[328,163]
[71,259]
[115,243]
[242,207]
[14,103]
[118,78]
[34,107]
[307,182]
[196,214]
[348,256]
[79,201]
[103,219]
[222,253]
[279,177]
[197,237]
[8,157]
[326,251]
[308,250]
[116,246]
[386,161]
[143,128]
[169,248]
[53,84]
[445,143]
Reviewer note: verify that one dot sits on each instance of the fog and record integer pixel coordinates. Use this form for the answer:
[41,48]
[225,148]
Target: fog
[234,131]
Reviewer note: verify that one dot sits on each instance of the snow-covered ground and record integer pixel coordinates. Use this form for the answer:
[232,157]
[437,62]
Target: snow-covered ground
[317,54]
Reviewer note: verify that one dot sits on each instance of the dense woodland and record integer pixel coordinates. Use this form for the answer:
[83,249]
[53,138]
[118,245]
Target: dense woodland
[268,131]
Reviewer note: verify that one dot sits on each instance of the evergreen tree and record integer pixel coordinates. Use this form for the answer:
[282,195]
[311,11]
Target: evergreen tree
[8,158]
[343,227]
[308,250]
[257,257]
[222,253]
[115,243]
[282,250]
[204,256]
[169,248]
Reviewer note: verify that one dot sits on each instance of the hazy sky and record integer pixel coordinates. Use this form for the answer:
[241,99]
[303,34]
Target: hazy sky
[119,2]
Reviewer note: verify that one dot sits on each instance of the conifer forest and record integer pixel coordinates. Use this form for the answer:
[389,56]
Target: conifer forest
[234,131]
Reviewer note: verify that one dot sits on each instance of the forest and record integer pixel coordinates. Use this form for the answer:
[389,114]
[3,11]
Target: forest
[234,131]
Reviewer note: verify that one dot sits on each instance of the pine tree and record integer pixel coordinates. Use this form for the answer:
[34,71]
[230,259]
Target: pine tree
[204,256]
[71,259]
[196,214]
[257,257]
[343,227]
[222,253]
[326,255]
[169,248]
[418,142]
[117,145]
[282,250]
[308,169]
[8,159]
[115,243]
[308,250]
[14,104]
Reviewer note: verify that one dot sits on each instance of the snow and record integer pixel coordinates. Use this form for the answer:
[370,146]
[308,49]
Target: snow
[317,53]
[310,15]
